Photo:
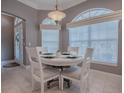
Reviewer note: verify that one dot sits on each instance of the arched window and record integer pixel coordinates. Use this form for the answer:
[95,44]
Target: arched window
[48,21]
[91,13]
[103,36]
[50,35]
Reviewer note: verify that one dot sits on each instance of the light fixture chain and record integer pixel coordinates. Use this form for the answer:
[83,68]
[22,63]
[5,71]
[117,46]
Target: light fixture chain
[56,4]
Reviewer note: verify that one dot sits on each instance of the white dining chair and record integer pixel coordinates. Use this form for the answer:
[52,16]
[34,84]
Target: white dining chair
[40,74]
[42,50]
[79,74]
[73,50]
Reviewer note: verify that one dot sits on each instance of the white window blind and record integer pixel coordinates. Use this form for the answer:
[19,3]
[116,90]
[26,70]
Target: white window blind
[50,40]
[78,37]
[102,36]
[50,35]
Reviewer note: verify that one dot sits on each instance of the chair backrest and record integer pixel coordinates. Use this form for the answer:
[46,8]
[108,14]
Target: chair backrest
[34,59]
[86,61]
[42,50]
[73,50]
[31,54]
[85,70]
[88,53]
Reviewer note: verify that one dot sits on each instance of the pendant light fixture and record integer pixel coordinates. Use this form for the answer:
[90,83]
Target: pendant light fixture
[56,15]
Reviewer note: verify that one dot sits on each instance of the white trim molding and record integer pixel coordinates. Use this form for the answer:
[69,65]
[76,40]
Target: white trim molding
[7,61]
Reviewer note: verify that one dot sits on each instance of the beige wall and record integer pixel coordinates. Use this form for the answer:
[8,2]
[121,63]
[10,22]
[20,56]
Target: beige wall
[14,7]
[7,37]
[27,13]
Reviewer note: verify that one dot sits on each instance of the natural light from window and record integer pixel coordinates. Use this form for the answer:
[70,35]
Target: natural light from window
[103,37]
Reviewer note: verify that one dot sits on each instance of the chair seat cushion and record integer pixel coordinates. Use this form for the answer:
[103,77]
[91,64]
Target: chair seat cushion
[72,72]
[48,73]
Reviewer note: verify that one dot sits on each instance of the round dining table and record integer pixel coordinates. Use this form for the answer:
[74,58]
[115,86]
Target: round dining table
[62,60]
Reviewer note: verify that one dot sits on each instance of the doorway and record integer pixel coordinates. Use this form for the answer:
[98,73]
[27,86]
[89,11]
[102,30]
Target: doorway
[19,40]
[13,30]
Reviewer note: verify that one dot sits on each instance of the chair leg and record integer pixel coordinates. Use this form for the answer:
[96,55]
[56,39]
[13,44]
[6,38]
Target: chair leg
[88,85]
[42,88]
[62,79]
[48,84]
[33,84]
[68,82]
[59,82]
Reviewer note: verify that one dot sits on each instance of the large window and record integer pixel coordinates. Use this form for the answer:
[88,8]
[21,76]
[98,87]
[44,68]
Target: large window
[50,35]
[50,40]
[102,37]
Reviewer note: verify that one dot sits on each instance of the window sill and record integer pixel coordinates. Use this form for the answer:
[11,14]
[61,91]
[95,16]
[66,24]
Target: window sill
[104,63]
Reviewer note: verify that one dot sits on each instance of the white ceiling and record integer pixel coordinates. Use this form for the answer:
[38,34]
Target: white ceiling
[50,4]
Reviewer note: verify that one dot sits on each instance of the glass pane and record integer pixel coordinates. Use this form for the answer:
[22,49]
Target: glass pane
[105,30]
[17,20]
[105,51]
[81,44]
[78,37]
[92,13]
[48,21]
[78,33]
[50,40]
[98,12]
[102,37]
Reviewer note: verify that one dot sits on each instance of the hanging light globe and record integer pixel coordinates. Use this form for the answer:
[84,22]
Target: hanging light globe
[56,15]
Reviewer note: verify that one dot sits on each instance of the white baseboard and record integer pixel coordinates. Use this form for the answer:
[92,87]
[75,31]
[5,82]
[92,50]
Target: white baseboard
[13,61]
[7,61]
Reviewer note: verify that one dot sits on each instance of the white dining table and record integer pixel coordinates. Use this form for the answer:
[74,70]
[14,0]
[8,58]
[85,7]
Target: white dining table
[61,61]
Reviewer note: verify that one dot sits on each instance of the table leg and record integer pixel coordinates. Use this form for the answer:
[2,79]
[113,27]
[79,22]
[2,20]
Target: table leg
[49,82]
[66,80]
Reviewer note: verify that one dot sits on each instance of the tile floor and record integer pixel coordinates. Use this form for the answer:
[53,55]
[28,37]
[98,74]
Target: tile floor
[17,80]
